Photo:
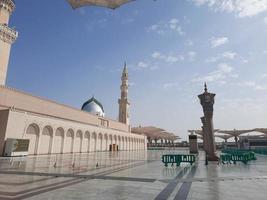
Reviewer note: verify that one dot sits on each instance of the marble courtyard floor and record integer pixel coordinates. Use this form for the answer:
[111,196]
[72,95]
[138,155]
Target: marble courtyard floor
[129,175]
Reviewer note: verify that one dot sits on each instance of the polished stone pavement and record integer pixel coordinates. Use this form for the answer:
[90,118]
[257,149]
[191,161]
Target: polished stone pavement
[129,175]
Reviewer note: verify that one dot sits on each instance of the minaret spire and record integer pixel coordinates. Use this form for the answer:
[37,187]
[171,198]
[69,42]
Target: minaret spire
[123,101]
[7,37]
[205,87]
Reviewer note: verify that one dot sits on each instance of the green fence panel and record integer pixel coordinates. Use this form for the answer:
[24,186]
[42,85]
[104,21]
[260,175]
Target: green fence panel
[178,159]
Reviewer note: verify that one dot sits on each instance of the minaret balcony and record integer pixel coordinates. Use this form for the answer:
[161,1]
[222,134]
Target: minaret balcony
[8,34]
[8,5]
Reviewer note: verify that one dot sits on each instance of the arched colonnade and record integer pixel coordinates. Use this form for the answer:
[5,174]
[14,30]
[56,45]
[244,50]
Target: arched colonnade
[48,139]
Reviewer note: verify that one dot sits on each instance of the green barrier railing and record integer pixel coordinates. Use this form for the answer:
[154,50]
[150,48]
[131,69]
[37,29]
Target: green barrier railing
[178,159]
[237,155]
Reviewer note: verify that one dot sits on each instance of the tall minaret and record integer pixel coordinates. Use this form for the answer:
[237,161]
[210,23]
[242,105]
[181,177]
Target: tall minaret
[7,37]
[123,101]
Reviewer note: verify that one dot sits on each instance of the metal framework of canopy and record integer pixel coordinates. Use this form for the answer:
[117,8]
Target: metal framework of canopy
[113,4]
[147,129]
[235,132]
[261,130]
[200,132]
[155,133]
[224,137]
[200,137]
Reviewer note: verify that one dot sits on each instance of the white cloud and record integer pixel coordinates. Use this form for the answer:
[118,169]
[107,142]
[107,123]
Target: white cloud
[225,68]
[234,75]
[216,42]
[242,8]
[225,55]
[172,59]
[245,60]
[189,43]
[249,83]
[163,27]
[142,64]
[168,58]
[156,55]
[229,55]
[223,71]
[212,59]
[259,87]
[192,55]
[132,84]
[252,85]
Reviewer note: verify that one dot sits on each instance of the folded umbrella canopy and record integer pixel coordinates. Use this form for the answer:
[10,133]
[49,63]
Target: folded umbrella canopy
[104,3]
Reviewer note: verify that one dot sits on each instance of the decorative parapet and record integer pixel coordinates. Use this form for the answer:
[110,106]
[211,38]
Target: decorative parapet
[7,34]
[9,5]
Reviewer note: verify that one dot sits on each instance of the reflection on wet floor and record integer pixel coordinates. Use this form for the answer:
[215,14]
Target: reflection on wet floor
[136,175]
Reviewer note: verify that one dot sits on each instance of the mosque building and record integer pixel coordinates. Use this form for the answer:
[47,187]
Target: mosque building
[51,127]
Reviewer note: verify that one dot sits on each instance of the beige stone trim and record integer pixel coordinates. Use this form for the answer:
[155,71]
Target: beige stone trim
[7,34]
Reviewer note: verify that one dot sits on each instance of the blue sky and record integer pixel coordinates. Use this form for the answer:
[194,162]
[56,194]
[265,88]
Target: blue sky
[171,48]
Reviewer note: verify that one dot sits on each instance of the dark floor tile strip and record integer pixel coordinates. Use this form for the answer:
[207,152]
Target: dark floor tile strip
[145,180]
[186,186]
[47,190]
[6,198]
[24,183]
[36,188]
[166,192]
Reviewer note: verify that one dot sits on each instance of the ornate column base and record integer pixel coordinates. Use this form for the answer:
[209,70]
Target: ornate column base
[213,158]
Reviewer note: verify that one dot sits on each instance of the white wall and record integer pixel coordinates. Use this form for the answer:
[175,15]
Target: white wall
[45,137]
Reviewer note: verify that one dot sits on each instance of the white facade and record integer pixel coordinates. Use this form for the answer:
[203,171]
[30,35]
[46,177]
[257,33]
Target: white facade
[51,134]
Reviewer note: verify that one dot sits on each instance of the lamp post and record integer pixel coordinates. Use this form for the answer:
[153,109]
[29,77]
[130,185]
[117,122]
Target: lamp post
[207,102]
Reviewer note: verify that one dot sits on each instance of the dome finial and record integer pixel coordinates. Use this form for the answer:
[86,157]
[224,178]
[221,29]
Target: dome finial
[205,87]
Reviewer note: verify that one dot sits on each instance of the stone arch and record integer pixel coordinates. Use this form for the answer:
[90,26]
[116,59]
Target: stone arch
[93,142]
[110,138]
[106,142]
[46,140]
[78,142]
[135,143]
[131,144]
[86,142]
[69,141]
[33,134]
[58,143]
[115,139]
[99,141]
[122,143]
[125,143]
[119,143]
